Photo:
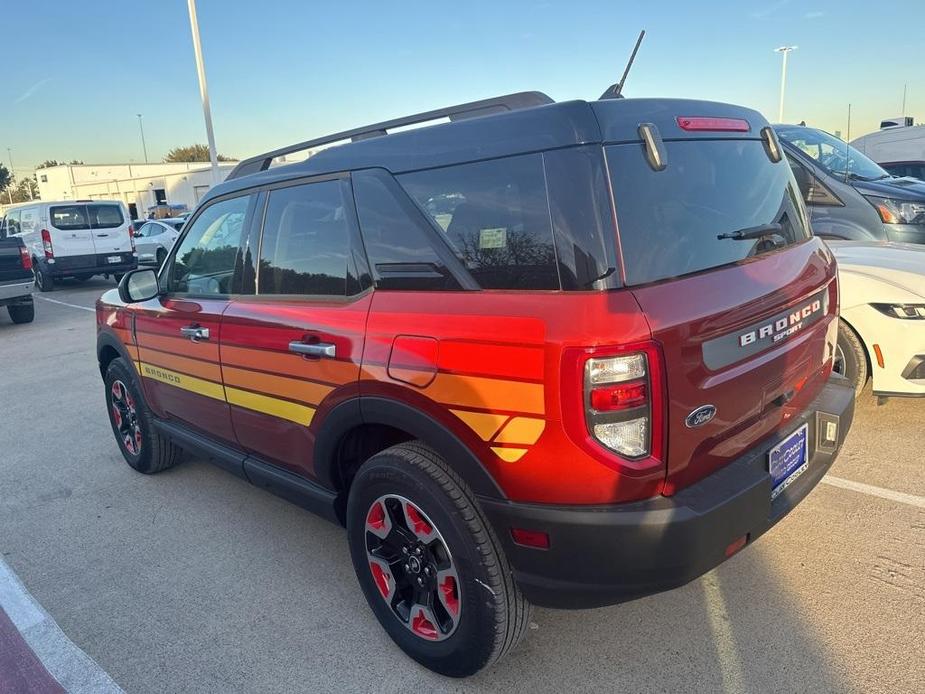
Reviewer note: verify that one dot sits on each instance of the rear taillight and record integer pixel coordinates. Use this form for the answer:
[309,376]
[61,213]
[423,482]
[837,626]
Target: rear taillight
[706,123]
[617,404]
[131,236]
[616,408]
[25,258]
[46,244]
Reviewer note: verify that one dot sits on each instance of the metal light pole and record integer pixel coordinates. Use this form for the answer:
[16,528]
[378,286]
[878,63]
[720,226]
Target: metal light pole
[9,191]
[783,79]
[203,90]
[144,147]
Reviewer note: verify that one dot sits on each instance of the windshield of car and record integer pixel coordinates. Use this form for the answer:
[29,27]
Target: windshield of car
[832,154]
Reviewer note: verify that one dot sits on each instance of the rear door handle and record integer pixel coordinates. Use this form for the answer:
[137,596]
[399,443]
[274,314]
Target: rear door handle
[314,349]
[195,333]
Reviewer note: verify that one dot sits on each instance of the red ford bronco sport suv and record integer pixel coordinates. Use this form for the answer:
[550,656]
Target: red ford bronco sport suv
[564,354]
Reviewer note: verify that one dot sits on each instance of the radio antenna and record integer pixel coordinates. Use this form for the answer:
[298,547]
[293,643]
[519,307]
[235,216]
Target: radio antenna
[615,91]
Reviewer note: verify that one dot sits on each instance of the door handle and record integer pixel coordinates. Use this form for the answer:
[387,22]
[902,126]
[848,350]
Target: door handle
[195,333]
[314,349]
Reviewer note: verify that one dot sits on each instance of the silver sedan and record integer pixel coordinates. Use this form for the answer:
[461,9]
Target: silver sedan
[154,239]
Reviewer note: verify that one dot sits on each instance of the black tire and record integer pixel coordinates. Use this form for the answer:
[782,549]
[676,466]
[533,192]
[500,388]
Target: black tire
[492,614]
[161,256]
[118,276]
[154,451]
[22,313]
[43,279]
[851,357]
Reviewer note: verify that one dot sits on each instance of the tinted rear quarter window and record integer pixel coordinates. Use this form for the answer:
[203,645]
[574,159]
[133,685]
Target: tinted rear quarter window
[672,222]
[400,243]
[495,215]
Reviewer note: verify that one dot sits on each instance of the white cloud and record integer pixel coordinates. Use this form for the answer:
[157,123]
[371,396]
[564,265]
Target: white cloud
[770,9]
[815,14]
[31,90]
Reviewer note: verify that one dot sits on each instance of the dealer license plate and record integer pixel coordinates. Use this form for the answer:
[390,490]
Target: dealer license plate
[788,460]
[114,259]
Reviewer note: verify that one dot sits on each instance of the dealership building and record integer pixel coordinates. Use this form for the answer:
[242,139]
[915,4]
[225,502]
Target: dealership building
[139,186]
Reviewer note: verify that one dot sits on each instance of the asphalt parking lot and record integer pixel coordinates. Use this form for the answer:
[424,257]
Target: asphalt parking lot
[193,581]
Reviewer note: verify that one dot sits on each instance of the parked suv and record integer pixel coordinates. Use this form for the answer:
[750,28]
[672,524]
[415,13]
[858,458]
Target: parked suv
[74,238]
[563,354]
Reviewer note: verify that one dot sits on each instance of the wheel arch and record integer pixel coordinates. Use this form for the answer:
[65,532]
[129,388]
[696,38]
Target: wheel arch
[864,346]
[361,427]
[108,348]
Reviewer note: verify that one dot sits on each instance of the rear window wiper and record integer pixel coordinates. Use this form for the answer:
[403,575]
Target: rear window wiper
[752,232]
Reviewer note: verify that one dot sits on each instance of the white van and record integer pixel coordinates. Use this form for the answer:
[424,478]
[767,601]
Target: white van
[74,238]
[899,147]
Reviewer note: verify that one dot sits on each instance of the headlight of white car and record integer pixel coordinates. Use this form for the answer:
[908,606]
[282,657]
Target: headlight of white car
[907,311]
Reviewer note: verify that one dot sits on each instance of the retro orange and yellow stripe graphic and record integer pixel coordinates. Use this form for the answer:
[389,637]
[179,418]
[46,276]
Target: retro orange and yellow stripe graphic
[283,396]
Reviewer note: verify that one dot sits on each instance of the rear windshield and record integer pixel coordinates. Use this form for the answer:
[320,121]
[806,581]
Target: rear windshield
[92,216]
[685,218]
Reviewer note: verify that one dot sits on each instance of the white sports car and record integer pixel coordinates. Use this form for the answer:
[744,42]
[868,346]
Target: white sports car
[881,334]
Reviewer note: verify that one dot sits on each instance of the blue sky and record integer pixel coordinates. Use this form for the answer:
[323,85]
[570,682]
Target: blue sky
[281,71]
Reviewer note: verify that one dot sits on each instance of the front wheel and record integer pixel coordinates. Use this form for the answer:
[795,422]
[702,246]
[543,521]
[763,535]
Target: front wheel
[850,357]
[429,564]
[143,447]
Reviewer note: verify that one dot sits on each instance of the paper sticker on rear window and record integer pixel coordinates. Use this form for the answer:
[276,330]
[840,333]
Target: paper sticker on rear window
[493,238]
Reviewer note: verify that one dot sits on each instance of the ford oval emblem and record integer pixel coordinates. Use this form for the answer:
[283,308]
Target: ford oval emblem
[700,416]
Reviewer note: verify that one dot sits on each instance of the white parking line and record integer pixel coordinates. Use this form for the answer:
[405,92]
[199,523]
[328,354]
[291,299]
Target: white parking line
[77,672]
[55,301]
[861,488]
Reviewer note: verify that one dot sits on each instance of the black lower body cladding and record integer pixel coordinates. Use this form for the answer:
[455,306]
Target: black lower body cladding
[602,555]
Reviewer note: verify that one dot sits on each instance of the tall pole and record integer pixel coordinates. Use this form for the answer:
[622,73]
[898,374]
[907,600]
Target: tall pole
[783,79]
[144,147]
[203,89]
[12,175]
[904,98]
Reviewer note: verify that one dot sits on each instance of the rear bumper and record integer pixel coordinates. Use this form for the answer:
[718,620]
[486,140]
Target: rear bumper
[17,289]
[603,555]
[97,264]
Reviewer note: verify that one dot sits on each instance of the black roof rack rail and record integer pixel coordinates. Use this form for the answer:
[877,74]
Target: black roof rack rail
[509,102]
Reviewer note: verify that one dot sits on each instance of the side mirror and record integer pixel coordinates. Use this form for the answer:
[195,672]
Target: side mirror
[139,285]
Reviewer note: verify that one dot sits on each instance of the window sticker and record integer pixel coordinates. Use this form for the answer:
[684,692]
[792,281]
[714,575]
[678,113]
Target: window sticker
[493,238]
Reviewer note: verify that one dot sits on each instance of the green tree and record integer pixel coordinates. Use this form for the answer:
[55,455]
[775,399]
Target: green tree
[192,153]
[24,190]
[48,163]
[6,178]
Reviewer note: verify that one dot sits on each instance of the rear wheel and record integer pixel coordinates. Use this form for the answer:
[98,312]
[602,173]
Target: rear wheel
[22,313]
[43,279]
[431,568]
[161,256]
[118,276]
[850,357]
[142,446]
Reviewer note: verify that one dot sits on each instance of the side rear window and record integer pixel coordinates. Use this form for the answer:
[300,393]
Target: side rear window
[72,217]
[306,241]
[717,202]
[399,242]
[495,215]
